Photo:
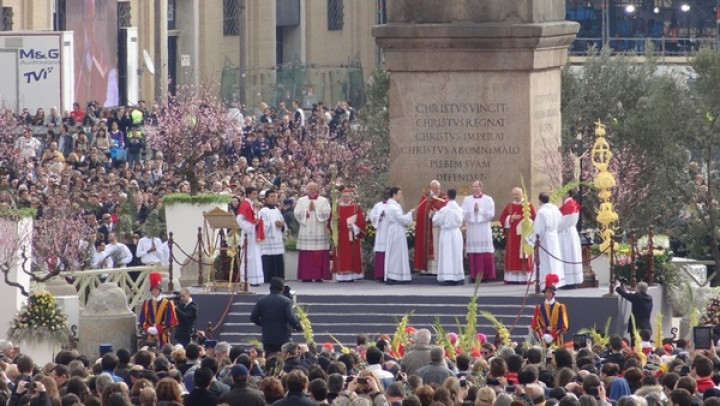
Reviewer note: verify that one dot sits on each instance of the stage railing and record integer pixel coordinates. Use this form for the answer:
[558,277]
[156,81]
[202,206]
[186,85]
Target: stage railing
[136,288]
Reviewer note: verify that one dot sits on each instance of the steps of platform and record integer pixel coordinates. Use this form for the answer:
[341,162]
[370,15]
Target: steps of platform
[346,316]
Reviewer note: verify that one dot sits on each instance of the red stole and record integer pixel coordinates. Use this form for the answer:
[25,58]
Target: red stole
[248,211]
[571,206]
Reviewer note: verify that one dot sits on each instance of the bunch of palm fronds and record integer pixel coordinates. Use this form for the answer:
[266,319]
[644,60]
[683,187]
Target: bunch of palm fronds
[442,338]
[658,330]
[468,338]
[343,349]
[502,331]
[638,341]
[306,324]
[400,337]
[601,339]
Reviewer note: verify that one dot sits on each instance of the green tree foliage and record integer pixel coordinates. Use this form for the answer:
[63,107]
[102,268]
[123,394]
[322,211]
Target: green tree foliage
[647,115]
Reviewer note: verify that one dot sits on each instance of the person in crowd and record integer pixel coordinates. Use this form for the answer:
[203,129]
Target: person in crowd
[448,220]
[478,212]
[275,315]
[313,213]
[436,372]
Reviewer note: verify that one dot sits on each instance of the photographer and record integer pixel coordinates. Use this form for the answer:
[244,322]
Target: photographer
[24,385]
[642,305]
[186,311]
[275,315]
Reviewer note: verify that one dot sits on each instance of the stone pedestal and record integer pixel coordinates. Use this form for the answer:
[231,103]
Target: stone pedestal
[41,352]
[475,93]
[106,319]
[71,305]
[58,286]
[290,258]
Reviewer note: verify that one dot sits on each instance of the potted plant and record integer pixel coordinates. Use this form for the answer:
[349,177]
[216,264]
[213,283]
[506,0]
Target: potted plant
[40,327]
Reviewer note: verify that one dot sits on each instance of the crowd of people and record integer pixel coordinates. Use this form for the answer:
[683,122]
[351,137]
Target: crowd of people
[99,161]
[373,373]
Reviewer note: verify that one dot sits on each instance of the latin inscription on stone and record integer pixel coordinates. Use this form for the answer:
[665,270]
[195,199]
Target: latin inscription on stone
[458,141]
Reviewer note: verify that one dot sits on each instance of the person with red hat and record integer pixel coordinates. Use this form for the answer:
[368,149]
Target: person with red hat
[157,316]
[550,320]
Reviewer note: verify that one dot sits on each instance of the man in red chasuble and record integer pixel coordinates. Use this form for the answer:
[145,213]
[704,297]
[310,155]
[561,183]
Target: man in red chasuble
[518,266]
[426,239]
[347,258]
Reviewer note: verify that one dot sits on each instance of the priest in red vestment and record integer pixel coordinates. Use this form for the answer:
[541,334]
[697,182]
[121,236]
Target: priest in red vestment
[518,266]
[426,243]
[347,257]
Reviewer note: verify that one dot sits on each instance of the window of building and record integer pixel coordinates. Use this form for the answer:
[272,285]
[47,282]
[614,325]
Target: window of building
[7,19]
[335,15]
[231,25]
[124,14]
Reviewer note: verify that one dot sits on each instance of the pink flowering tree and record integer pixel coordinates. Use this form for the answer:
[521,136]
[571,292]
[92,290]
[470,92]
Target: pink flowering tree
[60,241]
[190,129]
[10,158]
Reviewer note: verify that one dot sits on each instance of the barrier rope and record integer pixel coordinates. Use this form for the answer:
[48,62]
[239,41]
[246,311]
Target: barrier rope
[232,293]
[572,262]
[190,257]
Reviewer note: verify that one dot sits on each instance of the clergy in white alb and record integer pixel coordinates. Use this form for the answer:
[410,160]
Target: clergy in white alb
[449,219]
[397,263]
[249,223]
[547,221]
[273,247]
[313,244]
[377,218]
[570,241]
[478,212]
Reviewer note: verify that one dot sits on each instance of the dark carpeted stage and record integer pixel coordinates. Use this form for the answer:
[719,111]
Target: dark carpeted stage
[346,309]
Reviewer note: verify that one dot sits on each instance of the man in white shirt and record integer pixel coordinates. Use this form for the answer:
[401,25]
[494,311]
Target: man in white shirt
[119,250]
[148,250]
[298,114]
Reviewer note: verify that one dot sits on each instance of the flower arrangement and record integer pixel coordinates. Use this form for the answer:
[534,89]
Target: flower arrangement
[410,234]
[41,318]
[498,235]
[712,311]
[370,233]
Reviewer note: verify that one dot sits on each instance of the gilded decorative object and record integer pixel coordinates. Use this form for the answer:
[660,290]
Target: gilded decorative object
[603,181]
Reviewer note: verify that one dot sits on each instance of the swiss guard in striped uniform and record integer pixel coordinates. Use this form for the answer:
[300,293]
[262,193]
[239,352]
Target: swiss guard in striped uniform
[158,316]
[550,320]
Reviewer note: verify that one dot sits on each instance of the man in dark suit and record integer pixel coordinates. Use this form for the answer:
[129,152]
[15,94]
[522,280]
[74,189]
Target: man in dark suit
[107,227]
[275,315]
[186,312]
[642,305]
[242,394]
[200,396]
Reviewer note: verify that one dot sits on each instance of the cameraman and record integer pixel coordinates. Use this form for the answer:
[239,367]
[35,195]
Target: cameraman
[642,305]
[275,315]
